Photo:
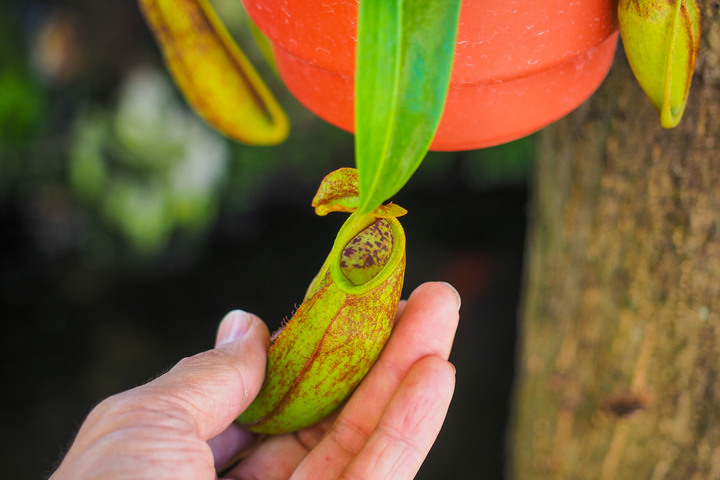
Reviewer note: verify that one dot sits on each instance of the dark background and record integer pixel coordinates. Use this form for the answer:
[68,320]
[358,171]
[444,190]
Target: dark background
[90,308]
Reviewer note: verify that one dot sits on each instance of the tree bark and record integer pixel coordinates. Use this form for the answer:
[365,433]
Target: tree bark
[618,375]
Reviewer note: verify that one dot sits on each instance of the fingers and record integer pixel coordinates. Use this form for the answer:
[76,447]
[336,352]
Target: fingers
[396,449]
[425,329]
[276,459]
[410,424]
[231,441]
[233,326]
[214,387]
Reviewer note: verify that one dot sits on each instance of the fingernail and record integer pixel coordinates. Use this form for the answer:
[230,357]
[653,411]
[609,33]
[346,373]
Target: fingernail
[459,300]
[233,326]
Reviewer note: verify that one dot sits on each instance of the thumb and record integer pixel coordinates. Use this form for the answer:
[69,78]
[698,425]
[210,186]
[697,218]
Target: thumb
[212,388]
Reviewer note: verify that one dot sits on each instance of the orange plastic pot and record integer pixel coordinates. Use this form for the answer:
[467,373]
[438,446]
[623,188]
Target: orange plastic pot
[519,64]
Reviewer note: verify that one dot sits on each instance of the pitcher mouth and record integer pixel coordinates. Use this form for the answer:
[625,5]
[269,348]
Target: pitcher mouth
[367,253]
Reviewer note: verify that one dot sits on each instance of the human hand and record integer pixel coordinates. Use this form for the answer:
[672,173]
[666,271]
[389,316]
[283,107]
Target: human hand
[180,425]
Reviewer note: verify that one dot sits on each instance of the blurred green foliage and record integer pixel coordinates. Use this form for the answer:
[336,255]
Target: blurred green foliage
[149,166]
[507,164]
[22,98]
[21,104]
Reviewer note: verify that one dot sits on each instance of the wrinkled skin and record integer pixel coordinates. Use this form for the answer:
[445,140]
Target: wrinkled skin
[180,425]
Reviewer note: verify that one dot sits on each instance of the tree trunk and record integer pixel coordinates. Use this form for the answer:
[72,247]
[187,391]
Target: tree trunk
[618,376]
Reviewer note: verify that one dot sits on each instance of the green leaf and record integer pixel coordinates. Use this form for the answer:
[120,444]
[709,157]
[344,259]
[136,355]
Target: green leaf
[404,59]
